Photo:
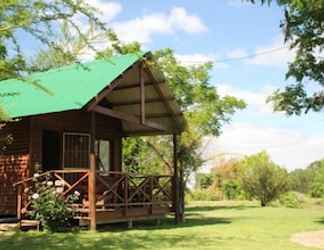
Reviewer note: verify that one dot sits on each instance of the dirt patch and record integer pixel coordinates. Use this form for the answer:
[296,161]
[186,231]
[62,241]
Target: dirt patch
[310,239]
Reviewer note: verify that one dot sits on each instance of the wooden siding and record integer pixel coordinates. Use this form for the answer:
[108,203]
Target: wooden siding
[76,121]
[25,153]
[14,162]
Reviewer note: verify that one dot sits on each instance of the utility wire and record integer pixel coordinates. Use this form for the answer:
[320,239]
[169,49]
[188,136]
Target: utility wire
[229,59]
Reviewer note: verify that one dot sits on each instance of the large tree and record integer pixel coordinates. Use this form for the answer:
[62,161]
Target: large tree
[303,26]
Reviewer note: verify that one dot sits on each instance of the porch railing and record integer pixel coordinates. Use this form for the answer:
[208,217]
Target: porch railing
[114,190]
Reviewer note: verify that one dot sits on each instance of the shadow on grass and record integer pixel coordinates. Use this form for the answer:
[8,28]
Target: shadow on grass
[130,239]
[167,223]
[320,220]
[145,235]
[218,207]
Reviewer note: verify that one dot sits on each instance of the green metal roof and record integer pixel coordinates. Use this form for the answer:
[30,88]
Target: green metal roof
[69,88]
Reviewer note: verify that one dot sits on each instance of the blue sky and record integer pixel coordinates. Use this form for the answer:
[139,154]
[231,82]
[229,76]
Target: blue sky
[210,30]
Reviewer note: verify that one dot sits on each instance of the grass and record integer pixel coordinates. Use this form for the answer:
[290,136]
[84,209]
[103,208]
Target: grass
[209,225]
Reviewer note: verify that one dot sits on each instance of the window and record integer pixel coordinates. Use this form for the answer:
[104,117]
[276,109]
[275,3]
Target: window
[76,149]
[103,155]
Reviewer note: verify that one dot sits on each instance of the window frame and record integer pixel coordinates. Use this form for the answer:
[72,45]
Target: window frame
[64,141]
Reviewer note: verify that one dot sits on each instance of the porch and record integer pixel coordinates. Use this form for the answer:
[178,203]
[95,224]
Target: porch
[118,196]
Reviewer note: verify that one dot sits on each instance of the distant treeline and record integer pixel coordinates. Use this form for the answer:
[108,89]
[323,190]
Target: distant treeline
[258,177]
[309,180]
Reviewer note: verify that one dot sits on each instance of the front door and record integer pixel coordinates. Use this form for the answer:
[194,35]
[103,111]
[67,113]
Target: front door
[50,150]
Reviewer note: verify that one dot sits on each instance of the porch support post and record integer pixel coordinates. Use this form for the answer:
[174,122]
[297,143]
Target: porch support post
[92,176]
[181,193]
[176,188]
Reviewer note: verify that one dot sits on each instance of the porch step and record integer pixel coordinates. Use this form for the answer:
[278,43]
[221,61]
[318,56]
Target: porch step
[8,227]
[30,224]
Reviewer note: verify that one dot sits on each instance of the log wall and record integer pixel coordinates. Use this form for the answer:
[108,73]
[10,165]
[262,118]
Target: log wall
[14,163]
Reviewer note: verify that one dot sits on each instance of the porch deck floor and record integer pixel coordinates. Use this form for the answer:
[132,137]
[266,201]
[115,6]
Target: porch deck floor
[132,214]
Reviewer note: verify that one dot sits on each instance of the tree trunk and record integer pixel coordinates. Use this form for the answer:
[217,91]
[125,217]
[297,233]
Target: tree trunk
[263,203]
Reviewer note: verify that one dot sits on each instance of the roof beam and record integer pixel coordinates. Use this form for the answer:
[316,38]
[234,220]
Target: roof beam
[134,85]
[128,118]
[137,102]
[162,115]
[138,133]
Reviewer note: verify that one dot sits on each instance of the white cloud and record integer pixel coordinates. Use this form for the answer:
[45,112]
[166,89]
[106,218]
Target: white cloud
[289,148]
[198,59]
[108,10]
[142,29]
[275,54]
[182,20]
[256,100]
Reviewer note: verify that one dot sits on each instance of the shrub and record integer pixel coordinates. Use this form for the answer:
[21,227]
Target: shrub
[51,208]
[317,190]
[232,189]
[262,179]
[203,180]
[205,195]
[291,200]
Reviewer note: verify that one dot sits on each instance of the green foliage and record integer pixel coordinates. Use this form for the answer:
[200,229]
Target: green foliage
[51,208]
[309,180]
[317,190]
[205,195]
[204,181]
[38,19]
[291,200]
[301,180]
[232,190]
[262,179]
[304,29]
[51,58]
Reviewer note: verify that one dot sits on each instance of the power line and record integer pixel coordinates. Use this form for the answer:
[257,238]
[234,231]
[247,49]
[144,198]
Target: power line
[229,59]
[252,55]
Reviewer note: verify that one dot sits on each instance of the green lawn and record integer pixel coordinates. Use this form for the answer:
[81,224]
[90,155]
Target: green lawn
[210,225]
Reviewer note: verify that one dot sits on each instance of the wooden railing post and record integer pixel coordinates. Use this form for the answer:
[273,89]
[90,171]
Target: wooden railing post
[19,201]
[126,195]
[92,193]
[151,194]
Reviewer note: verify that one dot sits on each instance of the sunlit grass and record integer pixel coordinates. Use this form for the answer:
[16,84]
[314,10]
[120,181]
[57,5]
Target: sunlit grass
[209,225]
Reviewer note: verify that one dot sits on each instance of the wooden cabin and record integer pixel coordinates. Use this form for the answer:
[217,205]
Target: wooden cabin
[68,125]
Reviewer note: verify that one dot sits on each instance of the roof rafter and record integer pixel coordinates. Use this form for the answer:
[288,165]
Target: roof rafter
[158,89]
[137,102]
[128,118]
